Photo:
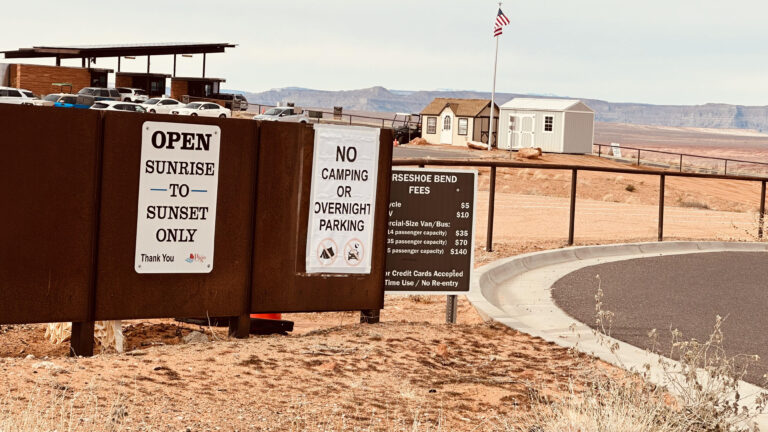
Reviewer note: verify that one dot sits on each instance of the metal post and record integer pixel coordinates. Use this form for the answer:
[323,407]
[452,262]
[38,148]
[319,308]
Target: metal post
[762,210]
[174,65]
[58,60]
[82,61]
[599,150]
[203,65]
[681,162]
[451,309]
[118,63]
[369,316]
[572,219]
[638,157]
[148,62]
[725,172]
[491,205]
[81,341]
[661,206]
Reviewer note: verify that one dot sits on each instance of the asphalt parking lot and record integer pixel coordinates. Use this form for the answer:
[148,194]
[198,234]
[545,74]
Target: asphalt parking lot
[685,292]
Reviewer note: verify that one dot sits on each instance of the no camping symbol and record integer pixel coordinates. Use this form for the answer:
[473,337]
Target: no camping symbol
[327,251]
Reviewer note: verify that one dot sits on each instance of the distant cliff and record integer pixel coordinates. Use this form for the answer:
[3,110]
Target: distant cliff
[381,99]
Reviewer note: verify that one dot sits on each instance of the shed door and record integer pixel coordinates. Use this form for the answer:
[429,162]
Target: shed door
[521,130]
[446,126]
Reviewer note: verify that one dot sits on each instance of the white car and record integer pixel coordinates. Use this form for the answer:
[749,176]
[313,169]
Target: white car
[19,96]
[284,114]
[128,94]
[108,105]
[162,105]
[203,109]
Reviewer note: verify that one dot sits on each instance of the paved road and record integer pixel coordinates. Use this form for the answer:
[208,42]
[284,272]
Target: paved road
[678,291]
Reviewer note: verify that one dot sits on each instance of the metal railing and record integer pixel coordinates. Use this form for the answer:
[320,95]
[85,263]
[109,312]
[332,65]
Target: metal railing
[676,160]
[387,121]
[495,164]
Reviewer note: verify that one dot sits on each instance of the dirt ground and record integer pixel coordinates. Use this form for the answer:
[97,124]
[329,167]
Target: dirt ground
[411,372]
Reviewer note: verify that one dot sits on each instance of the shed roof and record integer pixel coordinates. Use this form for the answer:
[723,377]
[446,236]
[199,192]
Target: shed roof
[460,107]
[546,104]
[119,50]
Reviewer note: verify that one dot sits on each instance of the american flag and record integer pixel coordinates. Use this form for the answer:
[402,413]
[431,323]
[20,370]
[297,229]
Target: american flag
[501,21]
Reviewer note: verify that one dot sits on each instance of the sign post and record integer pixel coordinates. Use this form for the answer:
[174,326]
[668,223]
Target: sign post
[178,186]
[430,238]
[342,199]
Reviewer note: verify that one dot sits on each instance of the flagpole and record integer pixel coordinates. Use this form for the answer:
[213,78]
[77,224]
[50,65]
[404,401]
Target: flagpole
[493,93]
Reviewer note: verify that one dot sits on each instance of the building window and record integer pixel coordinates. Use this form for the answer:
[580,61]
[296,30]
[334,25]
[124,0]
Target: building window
[447,123]
[548,120]
[512,120]
[463,124]
[431,125]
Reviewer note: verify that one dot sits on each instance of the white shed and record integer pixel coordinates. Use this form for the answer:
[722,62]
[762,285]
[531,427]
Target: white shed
[554,125]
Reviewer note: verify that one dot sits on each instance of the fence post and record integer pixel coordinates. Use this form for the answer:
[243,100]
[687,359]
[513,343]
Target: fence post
[599,150]
[681,162]
[661,206]
[638,157]
[762,211]
[491,202]
[725,172]
[573,207]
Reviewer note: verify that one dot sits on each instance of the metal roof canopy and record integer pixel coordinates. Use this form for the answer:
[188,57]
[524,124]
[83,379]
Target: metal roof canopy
[95,51]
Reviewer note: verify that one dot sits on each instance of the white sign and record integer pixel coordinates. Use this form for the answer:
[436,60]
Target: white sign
[342,199]
[616,150]
[178,186]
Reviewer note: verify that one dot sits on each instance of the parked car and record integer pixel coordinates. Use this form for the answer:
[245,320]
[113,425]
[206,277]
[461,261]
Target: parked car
[128,94]
[161,105]
[75,101]
[236,101]
[286,114]
[17,96]
[68,100]
[203,109]
[101,93]
[118,106]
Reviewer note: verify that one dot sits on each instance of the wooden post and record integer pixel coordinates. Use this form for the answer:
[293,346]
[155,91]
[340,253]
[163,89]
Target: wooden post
[681,162]
[572,219]
[661,207]
[491,205]
[638,157]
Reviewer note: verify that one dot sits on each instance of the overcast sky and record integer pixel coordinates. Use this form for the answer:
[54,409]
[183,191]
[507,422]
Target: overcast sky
[656,51]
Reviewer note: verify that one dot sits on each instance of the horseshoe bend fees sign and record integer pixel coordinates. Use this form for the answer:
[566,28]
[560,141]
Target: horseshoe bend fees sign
[430,237]
[342,199]
[178,186]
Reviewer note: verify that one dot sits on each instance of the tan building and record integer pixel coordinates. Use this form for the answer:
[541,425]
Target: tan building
[457,121]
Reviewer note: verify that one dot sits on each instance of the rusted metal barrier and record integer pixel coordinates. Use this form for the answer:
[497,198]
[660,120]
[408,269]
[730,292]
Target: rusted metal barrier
[68,233]
[495,164]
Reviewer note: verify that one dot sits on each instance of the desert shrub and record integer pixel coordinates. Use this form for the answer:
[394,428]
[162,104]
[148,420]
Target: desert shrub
[630,188]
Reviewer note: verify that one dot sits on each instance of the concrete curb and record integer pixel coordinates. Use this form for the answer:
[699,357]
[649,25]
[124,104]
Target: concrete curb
[516,292]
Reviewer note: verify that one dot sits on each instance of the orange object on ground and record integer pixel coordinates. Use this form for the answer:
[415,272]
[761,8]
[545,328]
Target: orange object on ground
[272,316]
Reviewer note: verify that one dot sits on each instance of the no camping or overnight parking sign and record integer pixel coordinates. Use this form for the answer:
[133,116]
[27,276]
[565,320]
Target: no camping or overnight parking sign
[342,199]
